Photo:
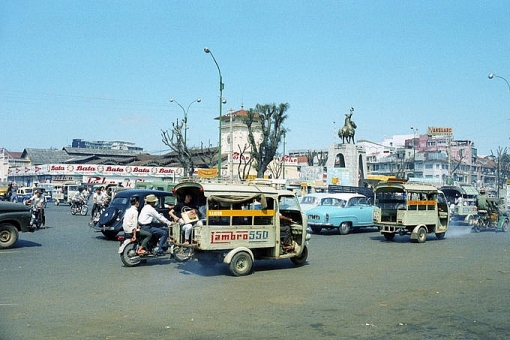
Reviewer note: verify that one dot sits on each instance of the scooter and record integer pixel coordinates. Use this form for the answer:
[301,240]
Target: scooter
[128,251]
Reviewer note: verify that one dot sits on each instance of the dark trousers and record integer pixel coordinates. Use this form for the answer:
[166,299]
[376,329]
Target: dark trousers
[161,233]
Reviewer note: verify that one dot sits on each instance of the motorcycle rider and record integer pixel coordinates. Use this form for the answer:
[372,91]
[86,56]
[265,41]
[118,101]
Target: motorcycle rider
[151,221]
[98,199]
[78,199]
[130,226]
[481,202]
[36,203]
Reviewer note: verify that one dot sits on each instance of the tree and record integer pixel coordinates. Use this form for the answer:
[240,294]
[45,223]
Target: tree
[175,141]
[244,161]
[271,118]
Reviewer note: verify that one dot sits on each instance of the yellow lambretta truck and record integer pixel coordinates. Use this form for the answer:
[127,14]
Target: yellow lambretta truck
[410,209]
[241,223]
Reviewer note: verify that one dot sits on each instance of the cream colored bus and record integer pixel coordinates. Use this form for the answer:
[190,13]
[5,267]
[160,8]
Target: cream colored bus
[410,209]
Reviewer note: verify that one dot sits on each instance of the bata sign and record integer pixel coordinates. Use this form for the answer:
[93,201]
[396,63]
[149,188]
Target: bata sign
[98,170]
[440,131]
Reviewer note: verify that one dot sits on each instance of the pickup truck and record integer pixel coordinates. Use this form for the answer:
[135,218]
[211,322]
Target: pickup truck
[14,218]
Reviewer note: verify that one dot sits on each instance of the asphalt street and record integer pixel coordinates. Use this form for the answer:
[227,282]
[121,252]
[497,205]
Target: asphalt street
[68,282]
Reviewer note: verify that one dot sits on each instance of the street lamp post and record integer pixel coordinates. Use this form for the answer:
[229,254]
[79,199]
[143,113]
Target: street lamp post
[492,75]
[198,100]
[284,134]
[222,101]
[414,150]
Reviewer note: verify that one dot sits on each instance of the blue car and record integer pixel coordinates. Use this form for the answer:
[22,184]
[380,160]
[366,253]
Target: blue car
[342,211]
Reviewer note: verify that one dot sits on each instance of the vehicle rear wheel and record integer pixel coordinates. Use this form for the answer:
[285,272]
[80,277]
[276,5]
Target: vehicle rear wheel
[344,228]
[241,264]
[182,254]
[389,236]
[8,235]
[440,236]
[301,259]
[129,256]
[422,235]
[316,230]
[504,225]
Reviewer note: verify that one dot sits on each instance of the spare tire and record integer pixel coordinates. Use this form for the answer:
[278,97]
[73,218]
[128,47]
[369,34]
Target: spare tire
[108,216]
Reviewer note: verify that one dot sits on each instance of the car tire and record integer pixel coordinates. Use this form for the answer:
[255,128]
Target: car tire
[301,259]
[422,235]
[108,216]
[241,264]
[344,228]
[110,235]
[8,235]
[316,230]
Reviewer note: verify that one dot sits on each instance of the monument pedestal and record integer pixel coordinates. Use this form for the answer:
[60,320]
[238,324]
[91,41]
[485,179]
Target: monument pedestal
[346,164]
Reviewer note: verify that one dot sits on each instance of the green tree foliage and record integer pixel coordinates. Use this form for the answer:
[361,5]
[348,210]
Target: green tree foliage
[271,118]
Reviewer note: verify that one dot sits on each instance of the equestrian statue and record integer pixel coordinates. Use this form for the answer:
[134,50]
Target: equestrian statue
[349,128]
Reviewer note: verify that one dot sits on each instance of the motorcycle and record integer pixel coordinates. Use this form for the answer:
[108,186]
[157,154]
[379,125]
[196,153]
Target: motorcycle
[35,220]
[97,214]
[128,250]
[491,221]
[79,208]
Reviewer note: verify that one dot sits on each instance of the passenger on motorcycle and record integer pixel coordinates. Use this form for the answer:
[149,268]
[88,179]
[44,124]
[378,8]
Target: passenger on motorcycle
[176,214]
[36,202]
[151,221]
[130,226]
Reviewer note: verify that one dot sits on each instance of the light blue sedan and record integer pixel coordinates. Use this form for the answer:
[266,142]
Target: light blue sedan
[342,211]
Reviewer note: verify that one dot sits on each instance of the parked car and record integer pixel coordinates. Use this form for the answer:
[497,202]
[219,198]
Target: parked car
[14,218]
[310,201]
[343,211]
[23,194]
[110,221]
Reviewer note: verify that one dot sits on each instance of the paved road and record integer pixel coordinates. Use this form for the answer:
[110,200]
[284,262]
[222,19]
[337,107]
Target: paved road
[68,282]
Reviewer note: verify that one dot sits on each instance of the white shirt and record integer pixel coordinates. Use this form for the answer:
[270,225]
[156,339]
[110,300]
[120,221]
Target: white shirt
[130,221]
[149,215]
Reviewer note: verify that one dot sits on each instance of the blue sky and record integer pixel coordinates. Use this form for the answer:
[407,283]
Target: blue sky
[105,70]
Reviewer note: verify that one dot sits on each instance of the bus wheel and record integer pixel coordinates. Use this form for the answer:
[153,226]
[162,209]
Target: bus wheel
[301,259]
[241,264]
[422,235]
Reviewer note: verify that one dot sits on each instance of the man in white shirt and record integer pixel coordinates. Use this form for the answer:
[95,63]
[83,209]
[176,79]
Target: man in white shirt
[130,225]
[151,221]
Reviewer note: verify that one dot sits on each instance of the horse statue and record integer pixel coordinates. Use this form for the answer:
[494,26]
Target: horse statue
[348,130]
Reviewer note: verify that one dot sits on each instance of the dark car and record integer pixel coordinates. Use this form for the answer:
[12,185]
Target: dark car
[13,219]
[110,221]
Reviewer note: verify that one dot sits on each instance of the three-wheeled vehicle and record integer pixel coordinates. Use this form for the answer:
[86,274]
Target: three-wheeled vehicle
[410,209]
[242,222]
[494,219]
[462,202]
